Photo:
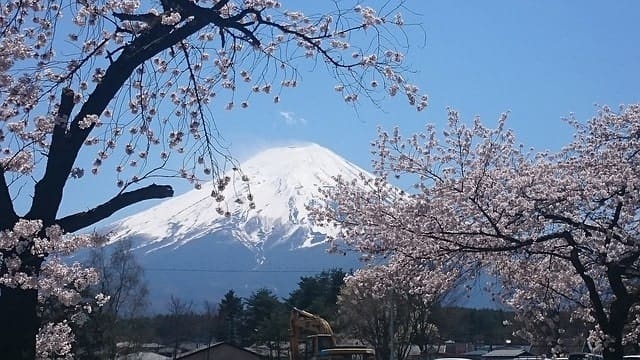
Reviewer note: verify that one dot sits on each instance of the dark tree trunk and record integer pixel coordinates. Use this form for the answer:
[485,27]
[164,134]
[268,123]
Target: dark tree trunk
[613,352]
[18,311]
[618,314]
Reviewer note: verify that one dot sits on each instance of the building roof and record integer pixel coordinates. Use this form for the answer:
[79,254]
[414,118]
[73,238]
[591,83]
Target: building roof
[143,356]
[505,353]
[475,353]
[212,346]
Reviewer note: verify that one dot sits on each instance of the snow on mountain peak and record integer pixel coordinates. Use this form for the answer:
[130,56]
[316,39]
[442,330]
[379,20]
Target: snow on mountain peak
[282,181]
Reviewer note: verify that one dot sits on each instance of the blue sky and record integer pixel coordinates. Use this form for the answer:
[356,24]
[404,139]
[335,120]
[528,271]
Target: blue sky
[540,60]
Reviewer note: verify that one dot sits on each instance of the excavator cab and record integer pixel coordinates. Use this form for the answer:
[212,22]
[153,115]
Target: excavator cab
[347,354]
[321,345]
[316,343]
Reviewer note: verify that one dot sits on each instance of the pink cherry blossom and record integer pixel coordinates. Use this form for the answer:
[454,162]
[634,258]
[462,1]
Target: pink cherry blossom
[559,230]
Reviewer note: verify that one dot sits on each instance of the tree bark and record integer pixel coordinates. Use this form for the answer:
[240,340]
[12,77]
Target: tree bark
[20,323]
[8,215]
[614,351]
[619,310]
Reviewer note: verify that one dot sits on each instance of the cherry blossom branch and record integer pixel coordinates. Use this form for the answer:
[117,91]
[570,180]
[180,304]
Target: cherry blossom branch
[514,244]
[156,37]
[628,264]
[83,61]
[616,216]
[548,288]
[220,5]
[192,79]
[450,236]
[484,213]
[66,144]
[81,220]
[578,225]
[309,40]
[149,19]
[235,23]
[147,175]
[10,22]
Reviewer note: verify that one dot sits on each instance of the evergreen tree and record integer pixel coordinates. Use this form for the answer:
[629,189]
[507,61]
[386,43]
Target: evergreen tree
[263,315]
[319,293]
[231,314]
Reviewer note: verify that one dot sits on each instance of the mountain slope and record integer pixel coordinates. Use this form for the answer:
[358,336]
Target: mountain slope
[190,250]
[282,181]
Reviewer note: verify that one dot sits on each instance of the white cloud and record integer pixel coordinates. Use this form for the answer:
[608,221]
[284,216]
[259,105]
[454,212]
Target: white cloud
[290,118]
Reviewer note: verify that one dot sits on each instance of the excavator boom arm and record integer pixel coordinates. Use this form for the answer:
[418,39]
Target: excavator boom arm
[300,321]
[303,321]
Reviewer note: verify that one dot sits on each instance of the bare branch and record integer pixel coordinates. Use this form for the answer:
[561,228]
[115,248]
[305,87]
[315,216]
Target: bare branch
[81,220]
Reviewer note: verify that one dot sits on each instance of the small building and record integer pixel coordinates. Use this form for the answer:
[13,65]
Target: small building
[143,356]
[220,351]
[506,354]
[453,349]
[475,354]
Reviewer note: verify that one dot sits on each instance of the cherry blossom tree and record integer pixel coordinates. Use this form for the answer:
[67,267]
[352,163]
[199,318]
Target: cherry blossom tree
[134,85]
[560,230]
[390,316]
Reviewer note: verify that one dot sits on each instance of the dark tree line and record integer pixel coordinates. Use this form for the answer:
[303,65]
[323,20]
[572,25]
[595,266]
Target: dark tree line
[262,318]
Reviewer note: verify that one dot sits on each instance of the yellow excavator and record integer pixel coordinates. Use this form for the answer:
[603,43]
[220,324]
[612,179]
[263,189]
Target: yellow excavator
[321,344]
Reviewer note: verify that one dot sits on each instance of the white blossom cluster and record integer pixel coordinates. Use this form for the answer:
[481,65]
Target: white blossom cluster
[392,278]
[560,231]
[54,341]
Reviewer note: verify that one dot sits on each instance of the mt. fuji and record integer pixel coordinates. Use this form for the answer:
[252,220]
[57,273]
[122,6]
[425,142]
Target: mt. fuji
[191,250]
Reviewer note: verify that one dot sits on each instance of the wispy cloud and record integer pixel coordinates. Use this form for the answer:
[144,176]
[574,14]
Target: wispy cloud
[290,118]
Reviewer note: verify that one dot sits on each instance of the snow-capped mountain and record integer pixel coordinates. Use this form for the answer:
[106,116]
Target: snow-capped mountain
[195,249]
[281,182]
